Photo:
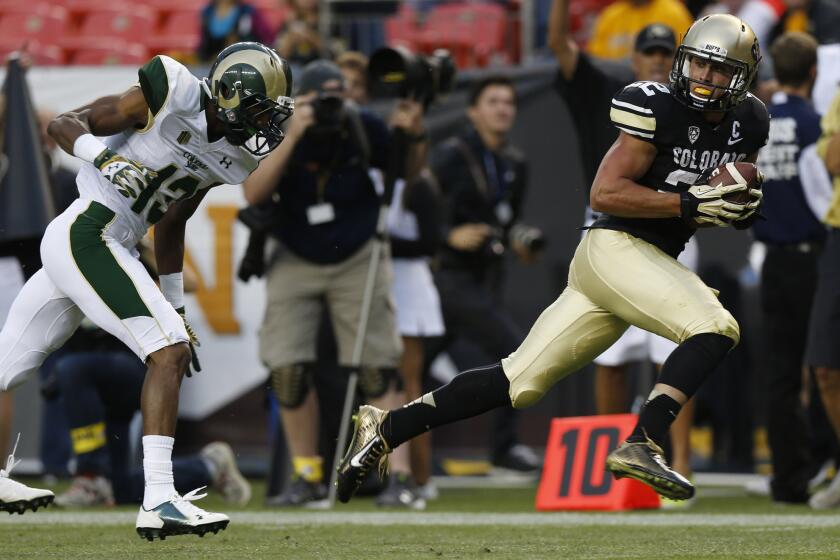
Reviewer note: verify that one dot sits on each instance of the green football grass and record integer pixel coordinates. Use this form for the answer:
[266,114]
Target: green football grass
[476,523]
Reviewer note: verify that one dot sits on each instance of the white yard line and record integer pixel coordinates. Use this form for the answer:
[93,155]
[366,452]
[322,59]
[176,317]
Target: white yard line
[281,519]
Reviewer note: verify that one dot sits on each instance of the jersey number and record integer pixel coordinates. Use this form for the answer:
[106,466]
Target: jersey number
[162,191]
[648,87]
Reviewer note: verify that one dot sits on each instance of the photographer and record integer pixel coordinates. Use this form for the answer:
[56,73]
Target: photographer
[317,191]
[483,180]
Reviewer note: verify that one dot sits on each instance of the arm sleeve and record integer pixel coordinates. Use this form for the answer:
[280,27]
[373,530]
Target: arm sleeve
[423,202]
[167,84]
[445,160]
[631,112]
[816,182]
[830,126]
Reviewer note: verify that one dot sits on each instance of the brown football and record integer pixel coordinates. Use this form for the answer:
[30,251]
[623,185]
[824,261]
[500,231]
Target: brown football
[737,172]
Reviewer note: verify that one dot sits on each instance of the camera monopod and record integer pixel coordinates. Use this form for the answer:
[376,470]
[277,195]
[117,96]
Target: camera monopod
[395,170]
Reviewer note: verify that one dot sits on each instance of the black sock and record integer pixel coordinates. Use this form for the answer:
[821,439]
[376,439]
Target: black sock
[686,369]
[655,419]
[469,394]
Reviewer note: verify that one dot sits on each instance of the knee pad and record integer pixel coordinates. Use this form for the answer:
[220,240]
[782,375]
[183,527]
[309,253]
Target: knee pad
[374,381]
[291,384]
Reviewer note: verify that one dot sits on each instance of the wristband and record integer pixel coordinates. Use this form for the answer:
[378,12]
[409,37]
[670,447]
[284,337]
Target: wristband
[172,286]
[88,147]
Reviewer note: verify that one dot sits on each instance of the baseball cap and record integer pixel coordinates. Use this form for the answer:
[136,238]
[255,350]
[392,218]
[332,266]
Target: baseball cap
[316,74]
[656,35]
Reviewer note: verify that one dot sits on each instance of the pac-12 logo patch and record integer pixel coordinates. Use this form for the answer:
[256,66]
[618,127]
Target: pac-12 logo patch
[693,134]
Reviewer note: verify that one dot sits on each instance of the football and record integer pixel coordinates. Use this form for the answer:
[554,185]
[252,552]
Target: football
[737,172]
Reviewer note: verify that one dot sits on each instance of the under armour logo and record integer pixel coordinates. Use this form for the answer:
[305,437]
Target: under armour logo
[225,161]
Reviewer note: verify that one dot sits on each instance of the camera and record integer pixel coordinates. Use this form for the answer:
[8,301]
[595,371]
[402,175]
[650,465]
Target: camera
[399,73]
[329,111]
[532,238]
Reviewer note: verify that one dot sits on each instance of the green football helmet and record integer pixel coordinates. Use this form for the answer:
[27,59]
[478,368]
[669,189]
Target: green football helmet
[251,88]
[720,39]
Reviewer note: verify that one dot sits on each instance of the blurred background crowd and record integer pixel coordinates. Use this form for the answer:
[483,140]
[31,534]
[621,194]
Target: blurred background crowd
[480,181]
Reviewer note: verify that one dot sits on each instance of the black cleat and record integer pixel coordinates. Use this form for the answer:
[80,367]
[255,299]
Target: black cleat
[21,506]
[367,449]
[643,461]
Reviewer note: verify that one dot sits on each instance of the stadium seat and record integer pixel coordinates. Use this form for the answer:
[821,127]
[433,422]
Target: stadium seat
[132,25]
[476,34]
[7,6]
[79,9]
[402,28]
[166,6]
[42,23]
[180,31]
[114,52]
[42,54]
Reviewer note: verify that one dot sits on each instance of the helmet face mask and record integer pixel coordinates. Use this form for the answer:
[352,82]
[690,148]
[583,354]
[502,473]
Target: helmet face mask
[250,86]
[731,48]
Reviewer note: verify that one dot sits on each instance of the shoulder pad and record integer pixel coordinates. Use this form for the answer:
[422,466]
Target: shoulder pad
[168,84]
[633,108]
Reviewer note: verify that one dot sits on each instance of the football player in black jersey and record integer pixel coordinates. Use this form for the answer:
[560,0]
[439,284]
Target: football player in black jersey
[651,193]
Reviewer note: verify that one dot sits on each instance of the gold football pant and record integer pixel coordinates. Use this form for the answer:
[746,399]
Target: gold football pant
[615,280]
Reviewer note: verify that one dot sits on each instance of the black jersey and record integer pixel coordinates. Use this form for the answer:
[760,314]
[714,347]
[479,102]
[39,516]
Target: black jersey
[686,145]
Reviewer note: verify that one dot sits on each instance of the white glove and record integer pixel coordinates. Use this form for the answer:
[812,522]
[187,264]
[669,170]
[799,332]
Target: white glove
[703,205]
[130,177]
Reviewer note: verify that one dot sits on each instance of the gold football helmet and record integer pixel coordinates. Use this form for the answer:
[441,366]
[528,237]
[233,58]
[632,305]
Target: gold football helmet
[251,87]
[721,39]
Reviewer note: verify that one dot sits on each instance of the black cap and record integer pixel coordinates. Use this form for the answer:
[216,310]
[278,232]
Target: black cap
[656,35]
[316,74]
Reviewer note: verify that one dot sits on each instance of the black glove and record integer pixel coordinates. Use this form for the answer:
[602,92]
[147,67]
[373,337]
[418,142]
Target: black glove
[253,263]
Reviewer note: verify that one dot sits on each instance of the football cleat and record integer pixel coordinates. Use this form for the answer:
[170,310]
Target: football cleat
[400,493]
[16,497]
[227,479]
[86,492]
[827,498]
[367,448]
[178,516]
[643,461]
[299,493]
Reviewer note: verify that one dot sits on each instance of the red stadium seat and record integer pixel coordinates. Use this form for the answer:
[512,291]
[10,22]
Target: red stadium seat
[112,52]
[44,23]
[133,24]
[181,31]
[475,33]
[402,28]
[42,54]
[173,6]
[18,6]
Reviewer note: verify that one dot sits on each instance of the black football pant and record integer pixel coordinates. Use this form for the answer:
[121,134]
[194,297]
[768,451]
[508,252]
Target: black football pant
[472,310]
[788,282]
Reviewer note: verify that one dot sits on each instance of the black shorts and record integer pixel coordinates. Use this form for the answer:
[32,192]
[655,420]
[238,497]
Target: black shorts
[823,348]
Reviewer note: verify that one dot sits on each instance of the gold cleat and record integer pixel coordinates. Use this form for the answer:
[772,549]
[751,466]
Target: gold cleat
[367,448]
[643,461]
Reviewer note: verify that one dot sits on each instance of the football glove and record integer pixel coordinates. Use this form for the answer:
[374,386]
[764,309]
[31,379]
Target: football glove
[130,177]
[703,205]
[193,342]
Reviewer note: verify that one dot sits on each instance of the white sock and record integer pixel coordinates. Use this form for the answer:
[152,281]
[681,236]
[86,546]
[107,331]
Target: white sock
[157,469]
